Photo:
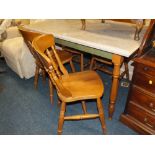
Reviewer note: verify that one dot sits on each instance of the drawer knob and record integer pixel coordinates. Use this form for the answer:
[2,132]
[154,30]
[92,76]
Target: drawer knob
[146,122]
[150,82]
[145,119]
[145,68]
[152,106]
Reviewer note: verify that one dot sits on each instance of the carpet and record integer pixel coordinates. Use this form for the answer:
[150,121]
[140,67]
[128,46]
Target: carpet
[26,111]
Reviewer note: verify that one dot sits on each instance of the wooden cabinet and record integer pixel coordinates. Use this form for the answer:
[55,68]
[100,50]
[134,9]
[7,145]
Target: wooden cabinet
[139,113]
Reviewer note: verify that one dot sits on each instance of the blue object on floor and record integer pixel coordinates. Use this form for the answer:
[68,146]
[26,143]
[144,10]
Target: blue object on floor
[26,111]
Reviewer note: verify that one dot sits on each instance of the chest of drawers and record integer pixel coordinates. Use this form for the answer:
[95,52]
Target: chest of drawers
[139,112]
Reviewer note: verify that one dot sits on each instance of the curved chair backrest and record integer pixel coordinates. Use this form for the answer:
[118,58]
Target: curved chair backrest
[28,36]
[44,46]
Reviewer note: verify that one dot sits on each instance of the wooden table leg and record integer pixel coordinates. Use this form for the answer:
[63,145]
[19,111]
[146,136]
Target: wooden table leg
[117,61]
[139,26]
[83,21]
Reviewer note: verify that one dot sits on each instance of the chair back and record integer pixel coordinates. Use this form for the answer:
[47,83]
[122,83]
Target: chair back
[28,36]
[44,46]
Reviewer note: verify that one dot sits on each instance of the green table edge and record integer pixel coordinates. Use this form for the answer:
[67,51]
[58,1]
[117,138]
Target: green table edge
[84,48]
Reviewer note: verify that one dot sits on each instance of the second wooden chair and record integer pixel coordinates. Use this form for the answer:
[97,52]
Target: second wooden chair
[98,63]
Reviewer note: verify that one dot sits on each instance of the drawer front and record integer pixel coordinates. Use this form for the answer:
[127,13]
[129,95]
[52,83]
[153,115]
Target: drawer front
[141,115]
[142,99]
[145,69]
[145,82]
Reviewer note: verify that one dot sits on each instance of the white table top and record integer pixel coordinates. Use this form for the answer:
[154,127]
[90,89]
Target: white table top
[113,37]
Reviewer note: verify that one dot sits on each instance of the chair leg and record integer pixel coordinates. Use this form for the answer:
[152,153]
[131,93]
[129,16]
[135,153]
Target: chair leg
[51,91]
[81,62]
[102,21]
[72,66]
[43,75]
[36,77]
[61,117]
[59,102]
[126,70]
[84,108]
[92,63]
[101,114]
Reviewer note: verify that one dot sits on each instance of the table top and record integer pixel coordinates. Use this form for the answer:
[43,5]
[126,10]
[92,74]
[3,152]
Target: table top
[112,37]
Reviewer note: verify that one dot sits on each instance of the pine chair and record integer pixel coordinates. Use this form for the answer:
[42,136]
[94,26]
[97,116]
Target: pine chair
[78,56]
[28,38]
[65,57]
[103,63]
[71,87]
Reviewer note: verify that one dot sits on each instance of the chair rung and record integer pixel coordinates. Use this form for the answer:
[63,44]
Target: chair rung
[122,74]
[82,116]
[103,61]
[101,68]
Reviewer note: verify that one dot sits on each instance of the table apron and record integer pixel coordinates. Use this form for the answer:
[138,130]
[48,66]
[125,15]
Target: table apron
[84,48]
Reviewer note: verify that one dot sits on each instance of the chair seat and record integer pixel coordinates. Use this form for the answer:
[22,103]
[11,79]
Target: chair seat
[83,85]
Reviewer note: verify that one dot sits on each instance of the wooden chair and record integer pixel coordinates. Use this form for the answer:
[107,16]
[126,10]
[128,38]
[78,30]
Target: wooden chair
[78,56]
[28,38]
[103,63]
[65,57]
[71,87]
[94,66]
